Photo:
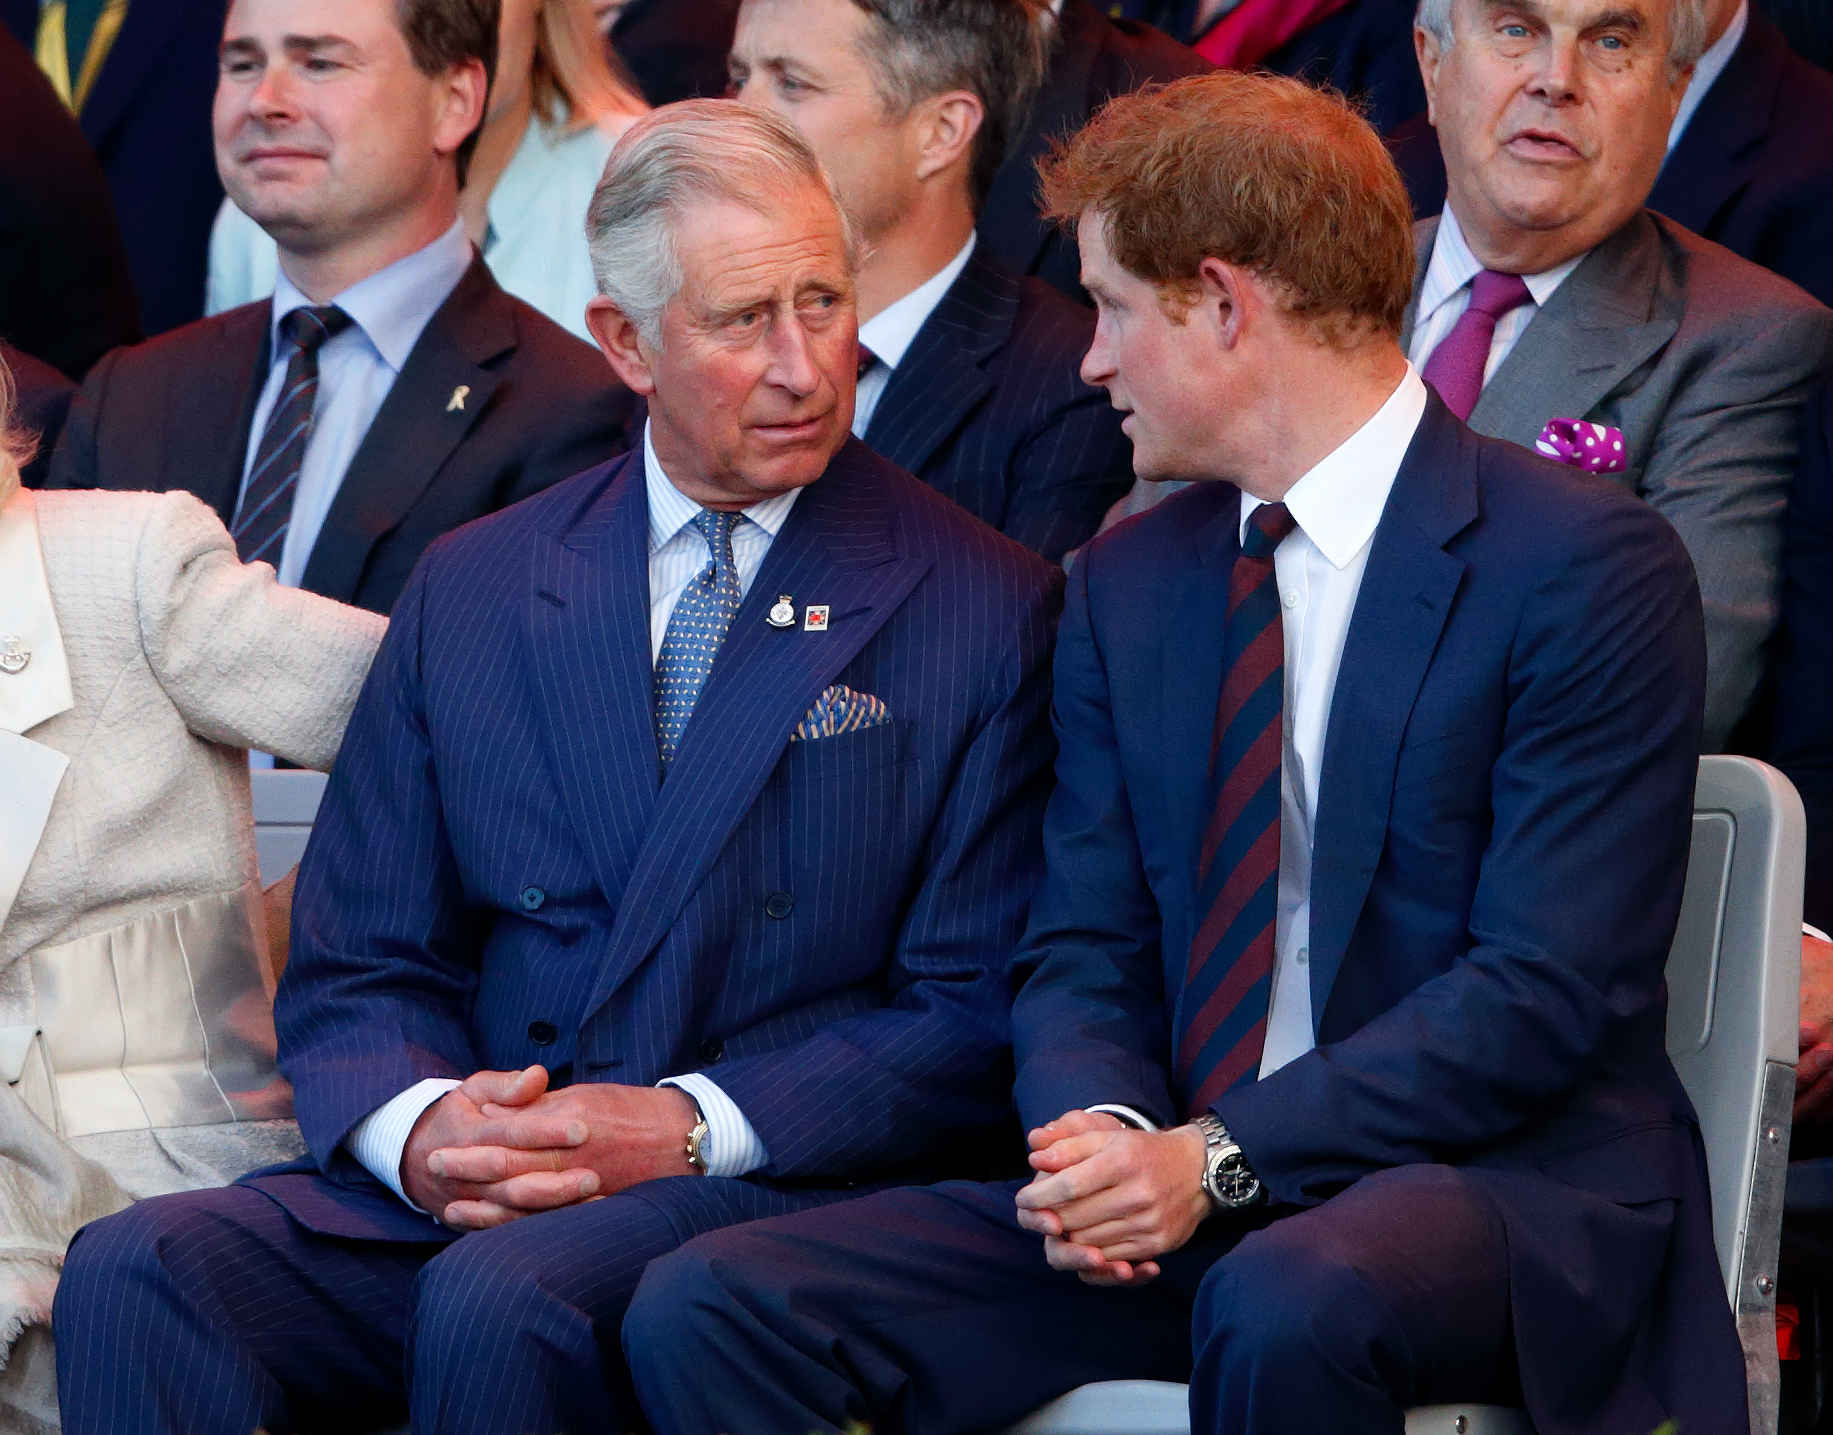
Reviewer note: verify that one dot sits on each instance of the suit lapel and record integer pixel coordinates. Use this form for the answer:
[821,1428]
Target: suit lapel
[1599,326]
[1010,216]
[206,448]
[1406,595]
[836,548]
[1193,639]
[941,379]
[1708,167]
[1425,234]
[587,622]
[420,423]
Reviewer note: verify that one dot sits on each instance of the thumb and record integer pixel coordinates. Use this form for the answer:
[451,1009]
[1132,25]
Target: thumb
[506,1088]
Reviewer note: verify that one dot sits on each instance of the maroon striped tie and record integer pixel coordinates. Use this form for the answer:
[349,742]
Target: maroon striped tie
[1222,1010]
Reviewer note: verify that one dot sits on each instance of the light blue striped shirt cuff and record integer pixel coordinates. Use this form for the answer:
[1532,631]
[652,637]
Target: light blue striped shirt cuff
[732,1146]
[380,1138]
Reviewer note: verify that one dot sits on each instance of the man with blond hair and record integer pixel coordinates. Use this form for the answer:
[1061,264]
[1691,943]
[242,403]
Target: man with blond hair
[1340,1014]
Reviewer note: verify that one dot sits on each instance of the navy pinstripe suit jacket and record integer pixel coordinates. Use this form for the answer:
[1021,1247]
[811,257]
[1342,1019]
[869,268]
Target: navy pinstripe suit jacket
[989,407]
[497,878]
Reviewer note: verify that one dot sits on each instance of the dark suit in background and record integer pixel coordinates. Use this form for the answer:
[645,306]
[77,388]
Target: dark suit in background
[1703,360]
[497,878]
[175,412]
[675,49]
[1092,59]
[1366,51]
[41,401]
[66,295]
[1753,170]
[1501,840]
[148,121]
[989,408]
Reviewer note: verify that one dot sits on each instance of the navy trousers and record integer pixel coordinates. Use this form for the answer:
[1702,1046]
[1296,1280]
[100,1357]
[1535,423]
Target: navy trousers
[217,1313]
[930,1311]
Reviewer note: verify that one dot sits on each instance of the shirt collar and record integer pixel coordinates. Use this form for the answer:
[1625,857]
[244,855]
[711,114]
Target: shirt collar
[890,332]
[671,510]
[1706,72]
[1339,502]
[392,305]
[1452,266]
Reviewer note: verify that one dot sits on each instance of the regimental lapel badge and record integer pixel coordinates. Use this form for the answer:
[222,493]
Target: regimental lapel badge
[13,655]
[782,613]
[814,618]
[457,401]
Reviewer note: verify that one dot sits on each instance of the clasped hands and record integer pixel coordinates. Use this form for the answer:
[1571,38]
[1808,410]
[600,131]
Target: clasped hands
[501,1146]
[1109,1199]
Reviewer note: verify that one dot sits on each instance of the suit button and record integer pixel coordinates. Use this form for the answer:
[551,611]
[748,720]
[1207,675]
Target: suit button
[712,1048]
[532,898]
[779,905]
[542,1033]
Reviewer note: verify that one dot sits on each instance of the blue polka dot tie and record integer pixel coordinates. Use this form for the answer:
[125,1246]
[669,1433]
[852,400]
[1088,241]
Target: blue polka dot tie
[695,630]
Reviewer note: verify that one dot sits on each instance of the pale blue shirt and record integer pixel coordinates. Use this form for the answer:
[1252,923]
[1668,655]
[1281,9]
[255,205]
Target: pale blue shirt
[676,552]
[356,369]
[1705,74]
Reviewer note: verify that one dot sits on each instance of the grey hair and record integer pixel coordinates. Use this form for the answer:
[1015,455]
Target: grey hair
[16,445]
[694,150]
[1686,33]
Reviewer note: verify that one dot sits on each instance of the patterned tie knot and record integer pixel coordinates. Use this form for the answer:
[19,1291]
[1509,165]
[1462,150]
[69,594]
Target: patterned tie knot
[866,360]
[310,329]
[717,528]
[1498,294]
[1267,527]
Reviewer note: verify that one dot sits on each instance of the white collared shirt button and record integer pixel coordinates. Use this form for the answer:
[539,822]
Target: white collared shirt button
[1291,597]
[1304,956]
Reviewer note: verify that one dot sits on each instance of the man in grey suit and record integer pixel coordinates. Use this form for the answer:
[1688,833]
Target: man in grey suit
[1548,295]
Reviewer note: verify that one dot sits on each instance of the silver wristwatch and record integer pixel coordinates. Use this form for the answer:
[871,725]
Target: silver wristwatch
[1227,1178]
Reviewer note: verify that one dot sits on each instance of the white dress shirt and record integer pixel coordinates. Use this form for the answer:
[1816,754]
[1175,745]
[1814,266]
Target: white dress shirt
[356,369]
[890,333]
[535,242]
[1705,74]
[676,553]
[1445,296]
[1318,567]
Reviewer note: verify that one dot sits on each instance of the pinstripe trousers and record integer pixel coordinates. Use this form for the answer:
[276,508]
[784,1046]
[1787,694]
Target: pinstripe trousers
[217,1313]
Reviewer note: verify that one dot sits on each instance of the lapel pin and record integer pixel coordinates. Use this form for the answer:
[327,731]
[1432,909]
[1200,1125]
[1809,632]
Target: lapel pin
[782,613]
[457,401]
[814,618]
[13,656]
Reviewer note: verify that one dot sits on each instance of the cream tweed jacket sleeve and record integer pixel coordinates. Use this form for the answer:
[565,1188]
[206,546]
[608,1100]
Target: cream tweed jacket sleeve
[180,658]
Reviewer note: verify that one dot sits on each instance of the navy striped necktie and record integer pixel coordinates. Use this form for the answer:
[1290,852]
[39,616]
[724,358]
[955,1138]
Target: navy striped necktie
[1228,982]
[266,509]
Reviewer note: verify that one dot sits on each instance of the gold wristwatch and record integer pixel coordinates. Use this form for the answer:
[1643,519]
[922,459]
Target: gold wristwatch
[697,1137]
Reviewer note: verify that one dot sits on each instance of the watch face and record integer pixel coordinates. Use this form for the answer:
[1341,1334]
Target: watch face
[1231,1182]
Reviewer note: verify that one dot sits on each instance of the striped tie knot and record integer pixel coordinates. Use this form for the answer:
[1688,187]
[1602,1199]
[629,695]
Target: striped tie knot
[1267,527]
[310,329]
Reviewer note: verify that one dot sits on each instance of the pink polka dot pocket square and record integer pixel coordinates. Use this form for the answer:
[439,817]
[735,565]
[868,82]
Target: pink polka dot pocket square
[1596,448]
[840,710]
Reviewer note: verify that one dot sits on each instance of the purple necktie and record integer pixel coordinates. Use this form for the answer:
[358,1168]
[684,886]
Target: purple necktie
[1456,366]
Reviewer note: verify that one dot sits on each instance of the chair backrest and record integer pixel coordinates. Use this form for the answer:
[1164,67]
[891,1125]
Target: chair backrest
[286,801]
[1734,979]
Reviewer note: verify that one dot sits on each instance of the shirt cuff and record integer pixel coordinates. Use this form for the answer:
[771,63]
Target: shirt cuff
[1126,1114]
[1813,931]
[380,1138]
[732,1146]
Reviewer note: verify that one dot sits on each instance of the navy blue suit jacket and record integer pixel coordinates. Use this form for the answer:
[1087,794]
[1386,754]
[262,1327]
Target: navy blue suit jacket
[497,879]
[1501,841]
[1801,732]
[989,407]
[1753,170]
[148,120]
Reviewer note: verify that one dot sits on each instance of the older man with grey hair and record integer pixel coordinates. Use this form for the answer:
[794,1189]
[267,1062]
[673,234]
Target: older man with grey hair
[665,881]
[1552,309]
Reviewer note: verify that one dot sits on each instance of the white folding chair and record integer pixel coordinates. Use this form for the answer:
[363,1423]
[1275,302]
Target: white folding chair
[286,801]
[1734,977]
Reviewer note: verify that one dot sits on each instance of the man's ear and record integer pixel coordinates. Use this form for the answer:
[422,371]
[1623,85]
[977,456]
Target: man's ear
[1228,301]
[621,344]
[1425,47]
[947,126]
[467,90]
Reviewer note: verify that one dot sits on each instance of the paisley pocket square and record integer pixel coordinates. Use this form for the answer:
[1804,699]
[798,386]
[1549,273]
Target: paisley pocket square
[840,710]
[1596,448]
